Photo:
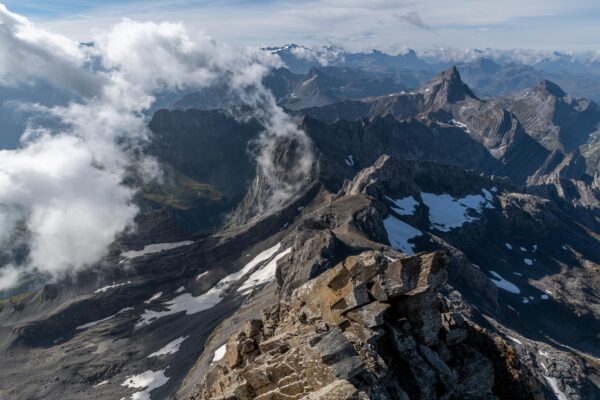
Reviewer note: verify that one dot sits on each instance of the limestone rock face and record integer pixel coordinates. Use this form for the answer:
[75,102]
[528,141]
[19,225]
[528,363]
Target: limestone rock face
[371,327]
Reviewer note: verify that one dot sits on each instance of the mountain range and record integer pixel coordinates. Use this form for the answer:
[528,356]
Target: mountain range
[444,245]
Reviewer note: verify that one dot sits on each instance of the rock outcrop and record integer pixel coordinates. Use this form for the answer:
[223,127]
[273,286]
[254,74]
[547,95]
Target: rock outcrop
[368,328]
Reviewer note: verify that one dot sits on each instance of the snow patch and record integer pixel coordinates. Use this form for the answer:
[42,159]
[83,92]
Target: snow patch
[460,125]
[169,348]
[264,274]
[184,303]
[544,297]
[219,353]
[399,233]
[147,382]
[508,246]
[528,261]
[504,284]
[113,286]
[192,305]
[201,275]
[447,212]
[554,385]
[404,206]
[349,160]
[488,195]
[543,353]
[100,384]
[180,289]
[154,297]
[517,341]
[154,248]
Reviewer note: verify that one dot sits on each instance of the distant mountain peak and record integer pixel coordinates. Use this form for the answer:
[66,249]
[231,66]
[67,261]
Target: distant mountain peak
[550,87]
[452,73]
[447,87]
[286,47]
[487,65]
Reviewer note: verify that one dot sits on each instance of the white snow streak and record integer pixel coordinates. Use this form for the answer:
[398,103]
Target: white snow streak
[264,274]
[504,284]
[154,248]
[169,348]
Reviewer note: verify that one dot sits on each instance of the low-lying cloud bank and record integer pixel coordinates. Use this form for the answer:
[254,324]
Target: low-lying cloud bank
[64,185]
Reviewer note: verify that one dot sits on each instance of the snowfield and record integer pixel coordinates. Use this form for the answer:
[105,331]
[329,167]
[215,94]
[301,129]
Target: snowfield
[399,233]
[504,284]
[404,206]
[192,305]
[265,273]
[447,212]
[147,381]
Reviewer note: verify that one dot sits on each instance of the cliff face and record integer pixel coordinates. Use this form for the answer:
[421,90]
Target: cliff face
[371,327]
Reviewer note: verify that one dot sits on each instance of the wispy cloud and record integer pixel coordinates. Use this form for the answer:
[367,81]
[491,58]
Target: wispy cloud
[534,23]
[414,19]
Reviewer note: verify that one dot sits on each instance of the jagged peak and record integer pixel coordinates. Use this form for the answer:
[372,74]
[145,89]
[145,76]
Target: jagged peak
[551,88]
[452,73]
[447,87]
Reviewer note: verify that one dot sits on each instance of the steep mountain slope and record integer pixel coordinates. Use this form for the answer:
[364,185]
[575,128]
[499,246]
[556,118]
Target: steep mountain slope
[213,148]
[555,119]
[446,101]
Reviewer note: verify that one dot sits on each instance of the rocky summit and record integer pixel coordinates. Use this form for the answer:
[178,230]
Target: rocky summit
[370,327]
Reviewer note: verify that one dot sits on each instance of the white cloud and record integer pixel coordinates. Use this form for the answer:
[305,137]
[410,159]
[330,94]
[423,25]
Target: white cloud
[29,52]
[556,24]
[65,182]
[324,56]
[72,208]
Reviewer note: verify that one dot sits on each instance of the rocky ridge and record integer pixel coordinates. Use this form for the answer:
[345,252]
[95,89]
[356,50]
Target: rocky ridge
[371,327]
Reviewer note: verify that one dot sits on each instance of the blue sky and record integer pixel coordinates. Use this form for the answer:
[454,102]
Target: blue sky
[356,24]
